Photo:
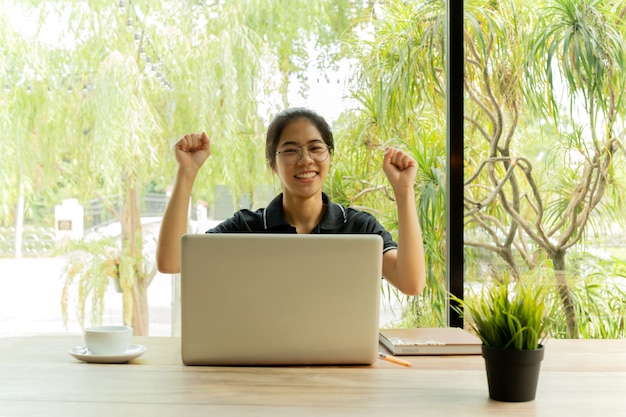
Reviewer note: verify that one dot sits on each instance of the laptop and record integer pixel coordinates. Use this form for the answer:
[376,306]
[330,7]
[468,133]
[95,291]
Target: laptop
[280,299]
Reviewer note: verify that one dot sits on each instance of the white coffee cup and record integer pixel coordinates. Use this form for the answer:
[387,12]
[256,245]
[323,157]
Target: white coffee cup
[108,340]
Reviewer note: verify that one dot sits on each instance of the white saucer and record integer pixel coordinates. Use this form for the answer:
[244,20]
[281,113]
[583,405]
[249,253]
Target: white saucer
[133,351]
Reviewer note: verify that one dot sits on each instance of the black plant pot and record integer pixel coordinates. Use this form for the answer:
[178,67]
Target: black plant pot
[512,375]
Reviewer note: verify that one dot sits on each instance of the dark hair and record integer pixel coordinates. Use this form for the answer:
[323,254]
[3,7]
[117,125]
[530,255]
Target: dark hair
[291,115]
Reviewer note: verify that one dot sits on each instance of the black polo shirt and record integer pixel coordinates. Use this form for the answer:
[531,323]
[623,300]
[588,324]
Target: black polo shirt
[337,219]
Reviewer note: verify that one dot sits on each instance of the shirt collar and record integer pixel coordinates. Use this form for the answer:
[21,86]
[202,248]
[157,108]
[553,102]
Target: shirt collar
[334,217]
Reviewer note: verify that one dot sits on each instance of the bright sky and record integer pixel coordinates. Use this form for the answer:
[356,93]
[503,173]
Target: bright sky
[326,98]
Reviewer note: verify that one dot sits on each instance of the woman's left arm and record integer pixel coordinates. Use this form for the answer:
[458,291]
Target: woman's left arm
[404,268]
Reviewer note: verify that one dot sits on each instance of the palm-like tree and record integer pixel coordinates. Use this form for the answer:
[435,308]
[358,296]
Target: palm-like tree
[576,48]
[399,90]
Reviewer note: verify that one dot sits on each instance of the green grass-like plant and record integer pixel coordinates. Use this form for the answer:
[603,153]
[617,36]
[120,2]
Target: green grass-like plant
[507,316]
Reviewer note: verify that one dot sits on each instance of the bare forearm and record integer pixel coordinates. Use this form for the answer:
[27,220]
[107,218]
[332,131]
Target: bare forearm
[174,224]
[409,273]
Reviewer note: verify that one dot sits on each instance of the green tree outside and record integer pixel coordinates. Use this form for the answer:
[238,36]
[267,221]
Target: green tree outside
[93,117]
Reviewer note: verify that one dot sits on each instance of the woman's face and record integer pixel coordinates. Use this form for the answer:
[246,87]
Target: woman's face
[304,178]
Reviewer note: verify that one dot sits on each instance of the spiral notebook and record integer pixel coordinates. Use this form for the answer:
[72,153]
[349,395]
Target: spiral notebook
[280,299]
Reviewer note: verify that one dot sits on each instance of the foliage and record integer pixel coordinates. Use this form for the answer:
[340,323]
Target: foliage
[596,283]
[399,105]
[507,316]
[599,296]
[426,310]
[91,269]
[528,64]
[86,116]
[94,267]
[227,65]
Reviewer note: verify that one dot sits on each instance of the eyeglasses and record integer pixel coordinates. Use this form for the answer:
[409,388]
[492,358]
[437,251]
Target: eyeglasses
[317,152]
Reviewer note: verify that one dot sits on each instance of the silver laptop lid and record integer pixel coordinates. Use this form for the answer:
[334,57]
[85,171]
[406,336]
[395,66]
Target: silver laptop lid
[280,299]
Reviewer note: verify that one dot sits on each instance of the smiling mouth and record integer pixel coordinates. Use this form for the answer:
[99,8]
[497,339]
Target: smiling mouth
[306,175]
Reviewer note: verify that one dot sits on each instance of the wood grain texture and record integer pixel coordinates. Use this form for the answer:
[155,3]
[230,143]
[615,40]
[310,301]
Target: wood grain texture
[38,377]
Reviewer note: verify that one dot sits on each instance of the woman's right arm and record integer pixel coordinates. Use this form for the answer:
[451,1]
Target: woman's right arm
[191,151]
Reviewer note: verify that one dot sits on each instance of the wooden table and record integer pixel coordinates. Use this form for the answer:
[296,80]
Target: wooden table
[39,378]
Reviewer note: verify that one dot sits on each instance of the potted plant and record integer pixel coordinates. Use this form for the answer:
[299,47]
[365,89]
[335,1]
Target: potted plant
[510,319]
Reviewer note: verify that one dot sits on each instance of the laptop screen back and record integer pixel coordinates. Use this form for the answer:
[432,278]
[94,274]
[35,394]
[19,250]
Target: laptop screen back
[280,299]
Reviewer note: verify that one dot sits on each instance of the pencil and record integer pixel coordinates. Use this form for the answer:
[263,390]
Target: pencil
[393,359]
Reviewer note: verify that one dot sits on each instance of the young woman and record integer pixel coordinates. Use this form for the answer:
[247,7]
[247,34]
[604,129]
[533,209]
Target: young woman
[298,149]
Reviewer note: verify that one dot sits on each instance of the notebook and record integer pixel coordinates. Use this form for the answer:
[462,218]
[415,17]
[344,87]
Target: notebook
[430,341]
[280,299]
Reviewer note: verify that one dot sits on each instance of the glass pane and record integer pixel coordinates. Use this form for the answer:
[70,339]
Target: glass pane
[543,171]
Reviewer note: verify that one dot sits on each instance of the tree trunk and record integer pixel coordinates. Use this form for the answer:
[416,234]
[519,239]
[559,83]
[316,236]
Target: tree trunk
[19,225]
[141,321]
[565,294]
[136,312]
